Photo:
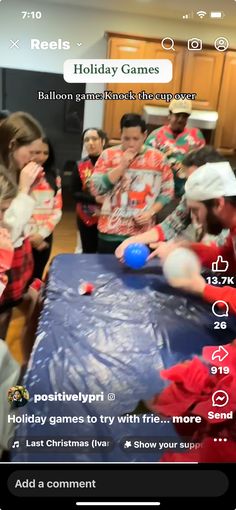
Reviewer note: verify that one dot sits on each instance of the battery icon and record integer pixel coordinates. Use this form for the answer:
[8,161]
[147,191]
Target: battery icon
[217,14]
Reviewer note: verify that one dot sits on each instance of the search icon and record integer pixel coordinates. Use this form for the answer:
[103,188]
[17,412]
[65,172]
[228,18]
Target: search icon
[168,43]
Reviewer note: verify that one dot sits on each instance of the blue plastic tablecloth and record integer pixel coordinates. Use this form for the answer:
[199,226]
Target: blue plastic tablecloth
[114,341]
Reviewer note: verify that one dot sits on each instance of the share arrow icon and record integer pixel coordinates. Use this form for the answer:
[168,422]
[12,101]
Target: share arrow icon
[221,353]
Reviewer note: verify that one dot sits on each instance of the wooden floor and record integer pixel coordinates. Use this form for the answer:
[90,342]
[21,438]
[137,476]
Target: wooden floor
[65,240]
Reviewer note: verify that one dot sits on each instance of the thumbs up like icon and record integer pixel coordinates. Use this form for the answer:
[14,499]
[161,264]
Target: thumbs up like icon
[220,265]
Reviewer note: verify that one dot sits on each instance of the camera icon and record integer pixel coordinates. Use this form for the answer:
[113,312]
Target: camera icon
[194,44]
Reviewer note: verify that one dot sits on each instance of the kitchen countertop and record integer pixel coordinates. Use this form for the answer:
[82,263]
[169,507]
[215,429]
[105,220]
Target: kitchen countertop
[202,119]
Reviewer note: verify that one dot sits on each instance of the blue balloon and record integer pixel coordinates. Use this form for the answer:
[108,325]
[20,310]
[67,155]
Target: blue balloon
[135,255]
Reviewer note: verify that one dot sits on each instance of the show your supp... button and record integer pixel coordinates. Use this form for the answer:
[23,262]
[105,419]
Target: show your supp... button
[117,71]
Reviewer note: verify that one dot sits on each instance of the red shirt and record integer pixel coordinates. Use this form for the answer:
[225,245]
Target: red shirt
[210,254]
[6,257]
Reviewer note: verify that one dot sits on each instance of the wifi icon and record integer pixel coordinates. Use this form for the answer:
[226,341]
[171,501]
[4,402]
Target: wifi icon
[201,14]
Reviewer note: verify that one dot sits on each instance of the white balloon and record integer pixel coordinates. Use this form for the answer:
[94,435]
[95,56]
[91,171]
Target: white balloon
[181,263]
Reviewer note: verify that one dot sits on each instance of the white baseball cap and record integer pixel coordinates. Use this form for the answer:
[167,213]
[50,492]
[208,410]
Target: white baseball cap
[181,106]
[212,180]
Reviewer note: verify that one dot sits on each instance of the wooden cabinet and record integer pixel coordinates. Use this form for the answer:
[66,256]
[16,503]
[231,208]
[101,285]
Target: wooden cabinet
[208,73]
[124,49]
[119,47]
[202,75]
[225,138]
[155,51]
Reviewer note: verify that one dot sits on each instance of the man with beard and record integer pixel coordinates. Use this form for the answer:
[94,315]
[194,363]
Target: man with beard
[211,196]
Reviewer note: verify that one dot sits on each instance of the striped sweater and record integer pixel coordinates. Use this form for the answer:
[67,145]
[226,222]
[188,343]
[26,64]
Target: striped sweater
[146,181]
[47,209]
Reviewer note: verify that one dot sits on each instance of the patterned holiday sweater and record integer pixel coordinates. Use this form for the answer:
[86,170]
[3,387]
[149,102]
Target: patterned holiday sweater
[175,148]
[147,180]
[86,206]
[47,209]
[174,225]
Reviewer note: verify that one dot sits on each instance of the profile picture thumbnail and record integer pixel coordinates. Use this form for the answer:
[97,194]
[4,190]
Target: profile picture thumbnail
[18,396]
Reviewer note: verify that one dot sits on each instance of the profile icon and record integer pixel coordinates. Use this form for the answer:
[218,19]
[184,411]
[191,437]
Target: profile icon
[221,44]
[18,396]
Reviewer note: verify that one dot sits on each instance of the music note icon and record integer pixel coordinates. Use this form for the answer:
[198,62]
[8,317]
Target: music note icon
[16,444]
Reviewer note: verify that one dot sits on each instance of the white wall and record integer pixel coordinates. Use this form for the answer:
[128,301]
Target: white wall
[86,26]
[0,89]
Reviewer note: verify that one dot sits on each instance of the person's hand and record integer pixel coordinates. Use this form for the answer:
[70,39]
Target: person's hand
[6,252]
[143,218]
[195,284]
[5,240]
[100,199]
[3,281]
[169,151]
[42,246]
[28,175]
[119,252]
[36,240]
[154,246]
[97,211]
[127,158]
[162,250]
